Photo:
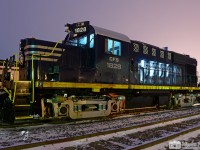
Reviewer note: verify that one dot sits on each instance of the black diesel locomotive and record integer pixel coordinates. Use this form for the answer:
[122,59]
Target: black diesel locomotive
[96,61]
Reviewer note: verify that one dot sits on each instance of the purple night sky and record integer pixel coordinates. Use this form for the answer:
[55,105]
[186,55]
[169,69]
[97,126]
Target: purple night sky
[171,23]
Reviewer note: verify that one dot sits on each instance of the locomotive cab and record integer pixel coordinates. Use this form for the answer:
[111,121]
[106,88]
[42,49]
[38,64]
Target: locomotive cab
[101,54]
[77,62]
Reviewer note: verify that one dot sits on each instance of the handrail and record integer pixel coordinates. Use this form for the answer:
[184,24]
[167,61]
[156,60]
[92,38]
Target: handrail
[15,88]
[15,69]
[9,93]
[33,79]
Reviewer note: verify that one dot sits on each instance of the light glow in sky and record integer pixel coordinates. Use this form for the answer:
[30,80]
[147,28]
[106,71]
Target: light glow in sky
[172,23]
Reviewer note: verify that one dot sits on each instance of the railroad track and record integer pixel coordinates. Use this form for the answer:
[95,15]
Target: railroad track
[127,138]
[84,130]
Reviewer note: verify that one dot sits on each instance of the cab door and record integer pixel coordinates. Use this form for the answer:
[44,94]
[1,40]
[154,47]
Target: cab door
[112,60]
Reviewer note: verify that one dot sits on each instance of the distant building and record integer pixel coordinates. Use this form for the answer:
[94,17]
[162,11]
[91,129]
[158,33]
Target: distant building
[12,71]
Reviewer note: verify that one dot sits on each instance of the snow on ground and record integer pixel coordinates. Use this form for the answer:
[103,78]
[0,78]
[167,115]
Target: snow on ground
[32,134]
[108,136]
[185,137]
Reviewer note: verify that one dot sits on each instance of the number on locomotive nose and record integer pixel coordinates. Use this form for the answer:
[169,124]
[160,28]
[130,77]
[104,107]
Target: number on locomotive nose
[80,30]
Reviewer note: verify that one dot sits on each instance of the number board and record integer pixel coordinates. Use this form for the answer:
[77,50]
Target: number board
[80,27]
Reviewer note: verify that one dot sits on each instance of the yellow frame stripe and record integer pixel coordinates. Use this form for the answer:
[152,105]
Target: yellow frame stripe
[109,86]
[80,85]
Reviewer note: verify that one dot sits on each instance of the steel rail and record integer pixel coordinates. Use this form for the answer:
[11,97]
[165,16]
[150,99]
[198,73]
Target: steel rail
[70,139]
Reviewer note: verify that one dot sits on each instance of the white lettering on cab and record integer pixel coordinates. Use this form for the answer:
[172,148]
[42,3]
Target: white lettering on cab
[114,63]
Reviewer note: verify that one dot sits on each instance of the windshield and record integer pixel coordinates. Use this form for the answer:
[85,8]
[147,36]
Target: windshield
[86,40]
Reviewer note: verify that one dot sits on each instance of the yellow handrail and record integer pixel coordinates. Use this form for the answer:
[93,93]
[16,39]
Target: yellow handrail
[33,80]
[9,93]
[15,76]
[15,88]
[16,65]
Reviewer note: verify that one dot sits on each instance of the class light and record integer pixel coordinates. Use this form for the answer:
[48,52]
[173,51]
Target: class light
[67,29]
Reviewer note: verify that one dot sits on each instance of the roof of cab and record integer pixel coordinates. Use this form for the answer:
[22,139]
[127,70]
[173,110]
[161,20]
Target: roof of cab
[112,34]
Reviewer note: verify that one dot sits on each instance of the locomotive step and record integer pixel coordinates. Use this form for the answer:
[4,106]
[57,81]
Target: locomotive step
[25,105]
[22,101]
[22,94]
[22,84]
[22,110]
[24,90]
[23,117]
[20,114]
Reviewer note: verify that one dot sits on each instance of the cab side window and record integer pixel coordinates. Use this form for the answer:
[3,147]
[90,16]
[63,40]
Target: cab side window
[113,47]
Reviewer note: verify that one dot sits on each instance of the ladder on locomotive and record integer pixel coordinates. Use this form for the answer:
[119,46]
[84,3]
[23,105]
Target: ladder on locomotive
[21,99]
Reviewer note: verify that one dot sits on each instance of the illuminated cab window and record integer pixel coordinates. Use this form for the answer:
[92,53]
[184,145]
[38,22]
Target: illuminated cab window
[113,47]
[82,41]
[91,40]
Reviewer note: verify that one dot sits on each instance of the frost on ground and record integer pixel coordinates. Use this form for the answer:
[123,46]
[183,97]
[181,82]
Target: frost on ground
[192,139]
[32,134]
[130,138]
